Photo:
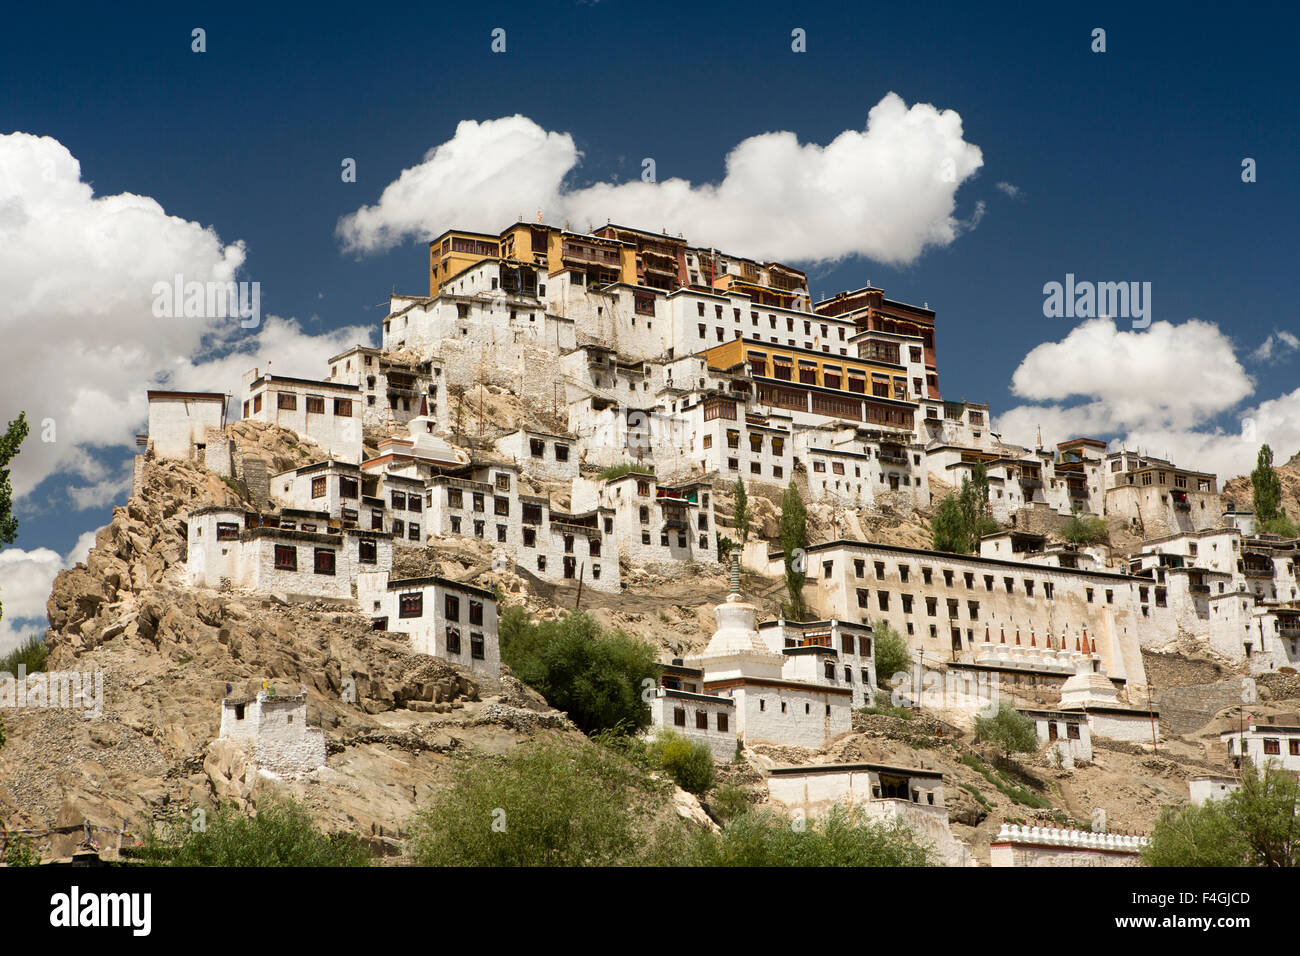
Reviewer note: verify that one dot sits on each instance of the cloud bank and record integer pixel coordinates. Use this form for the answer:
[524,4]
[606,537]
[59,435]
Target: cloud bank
[886,192]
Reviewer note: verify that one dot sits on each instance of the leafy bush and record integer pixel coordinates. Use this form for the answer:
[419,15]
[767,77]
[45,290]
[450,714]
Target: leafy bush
[1009,790]
[1009,730]
[625,468]
[890,650]
[282,833]
[1253,826]
[20,853]
[689,763]
[902,713]
[1280,524]
[1085,530]
[547,803]
[595,677]
[31,654]
[729,802]
[843,837]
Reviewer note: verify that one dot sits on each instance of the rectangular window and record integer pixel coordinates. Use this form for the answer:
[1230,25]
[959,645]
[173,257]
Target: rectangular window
[227,531]
[701,720]
[324,561]
[453,640]
[476,645]
[1272,747]
[367,551]
[451,607]
[286,557]
[343,407]
[723,723]
[315,405]
[679,716]
[318,487]
[286,400]
[411,604]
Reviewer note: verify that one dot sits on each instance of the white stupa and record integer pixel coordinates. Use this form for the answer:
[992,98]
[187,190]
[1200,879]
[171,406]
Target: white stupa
[736,649]
[426,444]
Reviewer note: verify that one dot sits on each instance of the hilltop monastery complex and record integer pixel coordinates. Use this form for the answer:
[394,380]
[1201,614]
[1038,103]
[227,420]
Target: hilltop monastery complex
[671,371]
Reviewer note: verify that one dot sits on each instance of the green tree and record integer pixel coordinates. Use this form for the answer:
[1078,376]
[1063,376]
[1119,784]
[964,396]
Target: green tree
[10,442]
[1009,730]
[546,803]
[794,542]
[1254,826]
[595,677]
[688,762]
[742,511]
[964,517]
[1266,486]
[281,833]
[844,836]
[948,527]
[890,650]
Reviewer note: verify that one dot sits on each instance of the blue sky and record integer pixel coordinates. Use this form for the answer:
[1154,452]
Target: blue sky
[1127,163]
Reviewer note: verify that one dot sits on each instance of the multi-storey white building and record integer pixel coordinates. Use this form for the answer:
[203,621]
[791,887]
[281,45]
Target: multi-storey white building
[326,412]
[540,455]
[230,546]
[392,392]
[834,653]
[1264,745]
[654,522]
[447,619]
[968,609]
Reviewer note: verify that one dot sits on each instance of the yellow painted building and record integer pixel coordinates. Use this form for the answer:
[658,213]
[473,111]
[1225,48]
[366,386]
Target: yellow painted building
[601,260]
[804,367]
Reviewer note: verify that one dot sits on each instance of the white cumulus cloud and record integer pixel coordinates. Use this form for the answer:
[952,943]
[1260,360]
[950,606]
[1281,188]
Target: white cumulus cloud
[25,581]
[76,318]
[1172,390]
[1277,345]
[886,192]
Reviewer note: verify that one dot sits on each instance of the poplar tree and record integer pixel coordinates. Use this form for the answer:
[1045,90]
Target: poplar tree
[794,541]
[742,511]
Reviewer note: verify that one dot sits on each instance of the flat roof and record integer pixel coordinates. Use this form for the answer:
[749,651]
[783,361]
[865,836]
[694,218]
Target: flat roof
[1114,577]
[438,580]
[263,379]
[154,393]
[848,767]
